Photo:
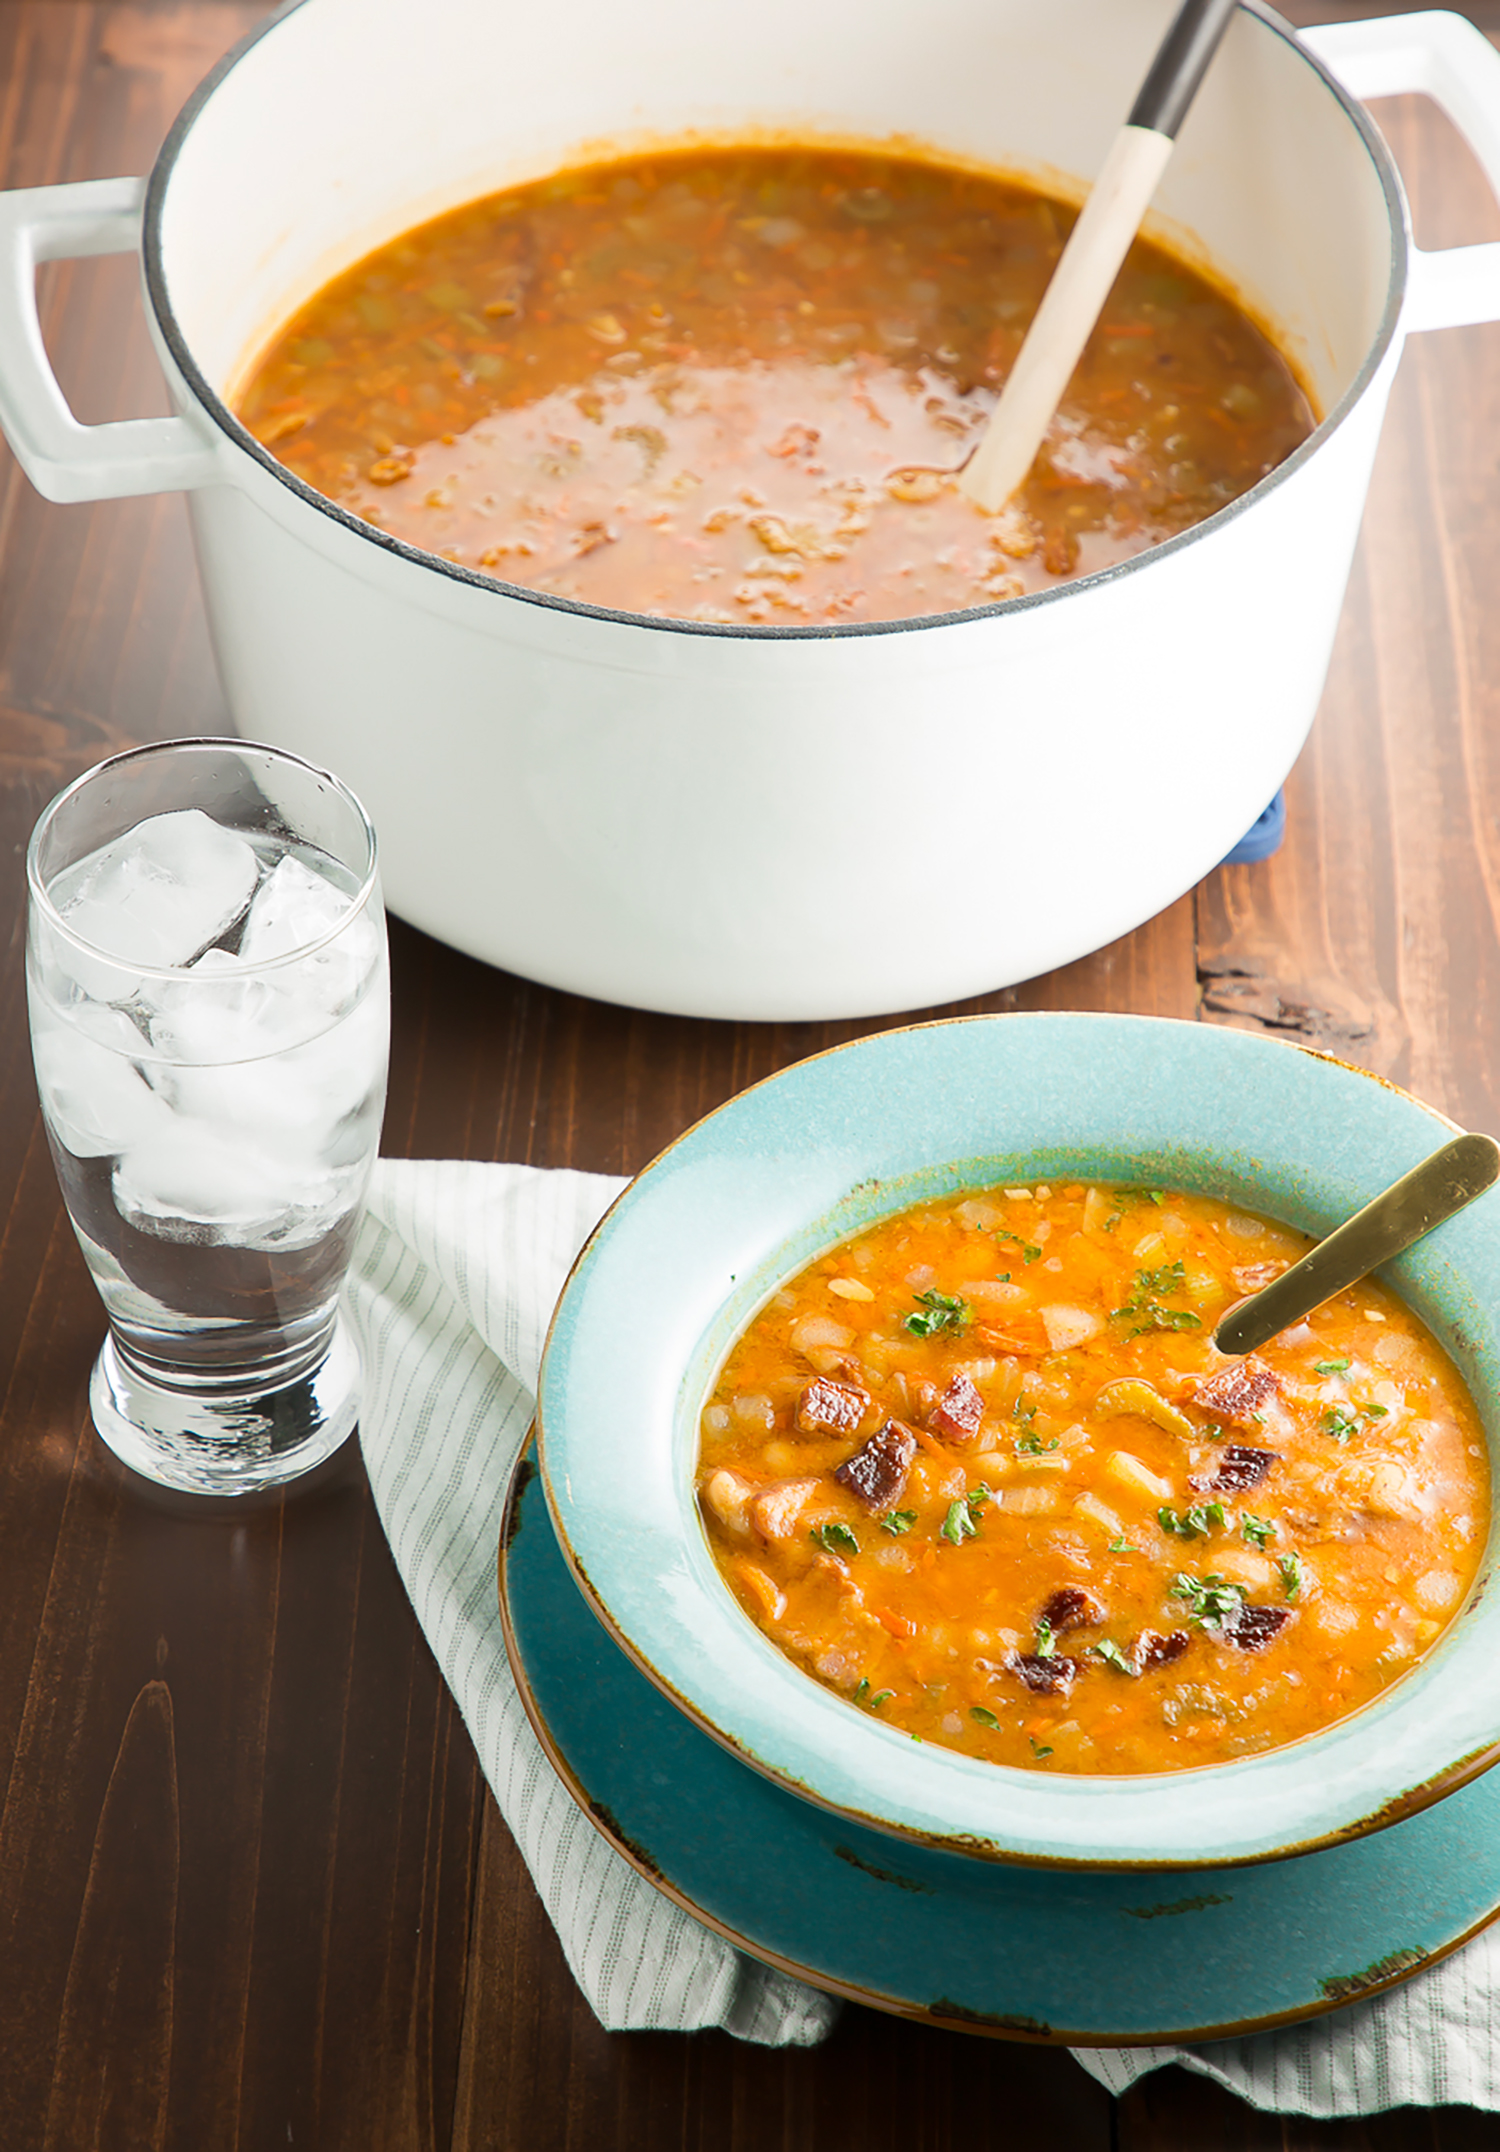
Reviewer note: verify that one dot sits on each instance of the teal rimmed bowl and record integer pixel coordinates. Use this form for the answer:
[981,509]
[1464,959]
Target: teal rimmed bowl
[700,1239]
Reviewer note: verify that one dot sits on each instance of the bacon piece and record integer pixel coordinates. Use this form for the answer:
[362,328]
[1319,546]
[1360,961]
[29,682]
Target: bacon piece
[1236,1393]
[1252,1628]
[959,1412]
[1052,1676]
[876,1473]
[1239,1467]
[831,1407]
[1152,1649]
[1072,1608]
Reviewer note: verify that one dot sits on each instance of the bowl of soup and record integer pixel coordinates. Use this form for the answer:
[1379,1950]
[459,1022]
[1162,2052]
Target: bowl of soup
[572,459]
[882,1424]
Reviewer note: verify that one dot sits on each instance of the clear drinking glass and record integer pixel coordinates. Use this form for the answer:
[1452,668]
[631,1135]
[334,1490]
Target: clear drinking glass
[210,1019]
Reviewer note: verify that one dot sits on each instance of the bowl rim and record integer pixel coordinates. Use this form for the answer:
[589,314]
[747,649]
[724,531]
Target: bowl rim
[238,436]
[1361,1780]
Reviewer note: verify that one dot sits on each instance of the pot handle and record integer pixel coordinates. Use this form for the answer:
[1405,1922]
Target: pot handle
[64,460]
[1446,58]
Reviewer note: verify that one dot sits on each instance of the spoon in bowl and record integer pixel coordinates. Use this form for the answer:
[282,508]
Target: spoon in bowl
[1443,1184]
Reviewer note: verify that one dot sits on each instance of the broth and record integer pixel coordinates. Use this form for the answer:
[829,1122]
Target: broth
[982,1471]
[736,385]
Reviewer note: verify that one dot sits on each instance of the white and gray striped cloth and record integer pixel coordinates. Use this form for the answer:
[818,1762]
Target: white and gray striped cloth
[455,1275]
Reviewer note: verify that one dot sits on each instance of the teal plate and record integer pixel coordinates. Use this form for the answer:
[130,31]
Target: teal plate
[1026,1953]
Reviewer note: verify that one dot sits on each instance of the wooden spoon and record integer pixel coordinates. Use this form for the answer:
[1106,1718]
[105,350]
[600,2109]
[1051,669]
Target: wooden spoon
[1412,1206]
[1091,259]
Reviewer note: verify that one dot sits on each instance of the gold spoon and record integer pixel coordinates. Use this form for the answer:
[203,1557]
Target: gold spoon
[1412,1206]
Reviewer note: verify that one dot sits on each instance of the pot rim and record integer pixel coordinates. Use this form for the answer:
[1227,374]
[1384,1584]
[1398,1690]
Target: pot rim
[240,437]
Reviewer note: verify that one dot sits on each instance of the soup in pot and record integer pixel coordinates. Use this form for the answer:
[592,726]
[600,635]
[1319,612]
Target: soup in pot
[983,1472]
[736,386]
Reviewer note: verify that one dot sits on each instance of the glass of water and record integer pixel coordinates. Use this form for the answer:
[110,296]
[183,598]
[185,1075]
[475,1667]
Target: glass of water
[210,1020]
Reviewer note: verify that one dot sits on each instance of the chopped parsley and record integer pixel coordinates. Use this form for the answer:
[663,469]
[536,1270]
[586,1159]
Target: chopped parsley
[835,1539]
[937,1314]
[959,1523]
[1145,1310]
[1293,1575]
[1121,1545]
[871,1700]
[985,1718]
[1138,1195]
[962,1520]
[1340,1424]
[897,1521]
[1373,1412]
[1045,1639]
[1197,1523]
[1112,1655]
[1039,1749]
[1211,1600]
[1256,1529]
[1331,1367]
[1004,1278]
[1029,1249]
[1021,1410]
[1032,1445]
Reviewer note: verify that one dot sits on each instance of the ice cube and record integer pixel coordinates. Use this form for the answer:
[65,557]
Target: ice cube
[194,1175]
[94,1096]
[158,895]
[294,1102]
[293,906]
[221,1011]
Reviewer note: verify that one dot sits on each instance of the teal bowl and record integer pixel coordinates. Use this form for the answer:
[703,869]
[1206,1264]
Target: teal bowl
[706,1233]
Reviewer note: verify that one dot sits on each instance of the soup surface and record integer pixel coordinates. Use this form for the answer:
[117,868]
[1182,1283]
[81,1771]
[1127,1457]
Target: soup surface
[736,386]
[983,1472]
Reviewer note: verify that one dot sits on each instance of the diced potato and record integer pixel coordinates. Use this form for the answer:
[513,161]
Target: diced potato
[1135,1478]
[1098,1205]
[1089,1506]
[1201,1283]
[993,1465]
[1034,1501]
[1242,1565]
[819,1333]
[1437,1589]
[1069,1326]
[1332,1618]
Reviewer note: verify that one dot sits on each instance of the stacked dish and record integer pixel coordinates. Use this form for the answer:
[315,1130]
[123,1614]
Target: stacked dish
[708,1233]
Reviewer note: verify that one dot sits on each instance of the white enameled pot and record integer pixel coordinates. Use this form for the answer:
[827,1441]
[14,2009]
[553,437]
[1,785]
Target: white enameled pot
[765,823]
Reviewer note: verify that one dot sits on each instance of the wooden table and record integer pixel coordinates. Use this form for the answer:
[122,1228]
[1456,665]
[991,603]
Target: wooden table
[253,1890]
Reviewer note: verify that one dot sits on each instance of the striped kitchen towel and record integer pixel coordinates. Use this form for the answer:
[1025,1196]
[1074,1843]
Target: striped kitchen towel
[455,1274]
[456,1271]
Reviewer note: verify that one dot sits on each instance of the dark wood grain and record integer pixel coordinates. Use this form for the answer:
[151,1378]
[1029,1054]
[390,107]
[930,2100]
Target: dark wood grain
[253,1892]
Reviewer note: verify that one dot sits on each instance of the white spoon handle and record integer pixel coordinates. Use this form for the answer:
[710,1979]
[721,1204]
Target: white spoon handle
[1070,306]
